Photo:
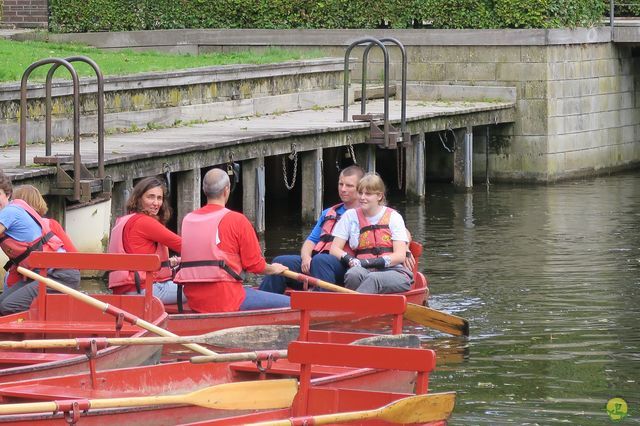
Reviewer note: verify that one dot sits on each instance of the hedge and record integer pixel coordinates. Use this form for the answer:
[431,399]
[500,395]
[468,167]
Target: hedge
[129,15]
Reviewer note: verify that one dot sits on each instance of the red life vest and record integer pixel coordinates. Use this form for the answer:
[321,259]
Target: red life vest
[328,223]
[202,261]
[122,278]
[19,251]
[375,240]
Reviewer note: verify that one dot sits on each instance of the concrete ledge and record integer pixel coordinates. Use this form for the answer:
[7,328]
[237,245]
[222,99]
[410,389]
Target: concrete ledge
[162,39]
[186,77]
[166,117]
[460,93]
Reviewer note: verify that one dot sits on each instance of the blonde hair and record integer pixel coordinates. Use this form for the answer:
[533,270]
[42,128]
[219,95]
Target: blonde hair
[373,183]
[30,195]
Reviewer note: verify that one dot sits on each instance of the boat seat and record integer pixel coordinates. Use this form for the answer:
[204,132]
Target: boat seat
[45,392]
[285,368]
[28,358]
[101,329]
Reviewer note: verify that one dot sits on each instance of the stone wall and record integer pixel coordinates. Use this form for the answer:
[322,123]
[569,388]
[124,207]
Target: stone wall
[25,13]
[592,115]
[163,99]
[576,110]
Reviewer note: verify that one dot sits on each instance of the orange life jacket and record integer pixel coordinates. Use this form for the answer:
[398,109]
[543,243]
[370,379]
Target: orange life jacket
[18,251]
[201,258]
[122,278]
[328,223]
[375,240]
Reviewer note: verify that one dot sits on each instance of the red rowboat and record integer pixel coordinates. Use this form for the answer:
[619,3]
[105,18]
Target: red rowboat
[62,316]
[196,323]
[333,377]
[190,323]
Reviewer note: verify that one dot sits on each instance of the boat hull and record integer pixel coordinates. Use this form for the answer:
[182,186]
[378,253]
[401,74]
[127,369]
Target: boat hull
[186,324]
[186,377]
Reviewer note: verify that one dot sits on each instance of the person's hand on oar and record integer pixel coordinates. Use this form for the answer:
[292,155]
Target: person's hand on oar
[257,337]
[414,409]
[252,395]
[422,315]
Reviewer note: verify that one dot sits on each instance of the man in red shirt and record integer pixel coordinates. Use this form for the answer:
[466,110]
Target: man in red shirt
[218,245]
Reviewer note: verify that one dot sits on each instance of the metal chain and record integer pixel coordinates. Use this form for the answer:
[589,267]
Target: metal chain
[443,140]
[166,170]
[293,156]
[352,152]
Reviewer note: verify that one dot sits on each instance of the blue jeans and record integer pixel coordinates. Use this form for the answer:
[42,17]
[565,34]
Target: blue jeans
[278,283]
[256,299]
[327,267]
[324,266]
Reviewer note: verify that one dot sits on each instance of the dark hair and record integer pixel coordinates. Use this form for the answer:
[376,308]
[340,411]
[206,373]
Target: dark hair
[353,170]
[133,203]
[5,184]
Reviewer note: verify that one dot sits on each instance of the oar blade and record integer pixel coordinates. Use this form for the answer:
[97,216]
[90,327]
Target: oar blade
[438,320]
[258,394]
[420,408]
[256,337]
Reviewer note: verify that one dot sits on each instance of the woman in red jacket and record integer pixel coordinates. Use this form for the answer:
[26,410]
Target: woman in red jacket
[143,231]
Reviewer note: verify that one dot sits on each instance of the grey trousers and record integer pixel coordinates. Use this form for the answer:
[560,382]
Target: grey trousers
[378,282]
[19,296]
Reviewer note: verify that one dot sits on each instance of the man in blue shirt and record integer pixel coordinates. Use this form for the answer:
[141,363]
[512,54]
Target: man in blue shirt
[314,258]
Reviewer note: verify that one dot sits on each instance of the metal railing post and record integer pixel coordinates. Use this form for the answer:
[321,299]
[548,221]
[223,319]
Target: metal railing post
[100,84]
[611,16]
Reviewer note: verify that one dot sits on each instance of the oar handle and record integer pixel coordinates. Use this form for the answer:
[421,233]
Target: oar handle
[102,342]
[104,307]
[29,407]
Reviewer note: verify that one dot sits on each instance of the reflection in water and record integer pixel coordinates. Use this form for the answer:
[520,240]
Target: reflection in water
[549,279]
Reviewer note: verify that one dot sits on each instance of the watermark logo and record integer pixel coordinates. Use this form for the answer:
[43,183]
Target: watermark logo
[617,409]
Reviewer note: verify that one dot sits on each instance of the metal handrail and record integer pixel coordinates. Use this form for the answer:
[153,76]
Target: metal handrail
[403,105]
[100,83]
[76,116]
[368,40]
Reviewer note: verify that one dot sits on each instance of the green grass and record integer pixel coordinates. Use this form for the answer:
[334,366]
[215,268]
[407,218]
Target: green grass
[15,57]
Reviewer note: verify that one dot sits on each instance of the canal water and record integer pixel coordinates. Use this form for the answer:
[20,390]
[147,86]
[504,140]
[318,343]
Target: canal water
[549,279]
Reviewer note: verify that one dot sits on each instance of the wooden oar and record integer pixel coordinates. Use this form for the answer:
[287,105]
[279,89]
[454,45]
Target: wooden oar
[257,337]
[414,409]
[104,307]
[422,315]
[393,340]
[259,394]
